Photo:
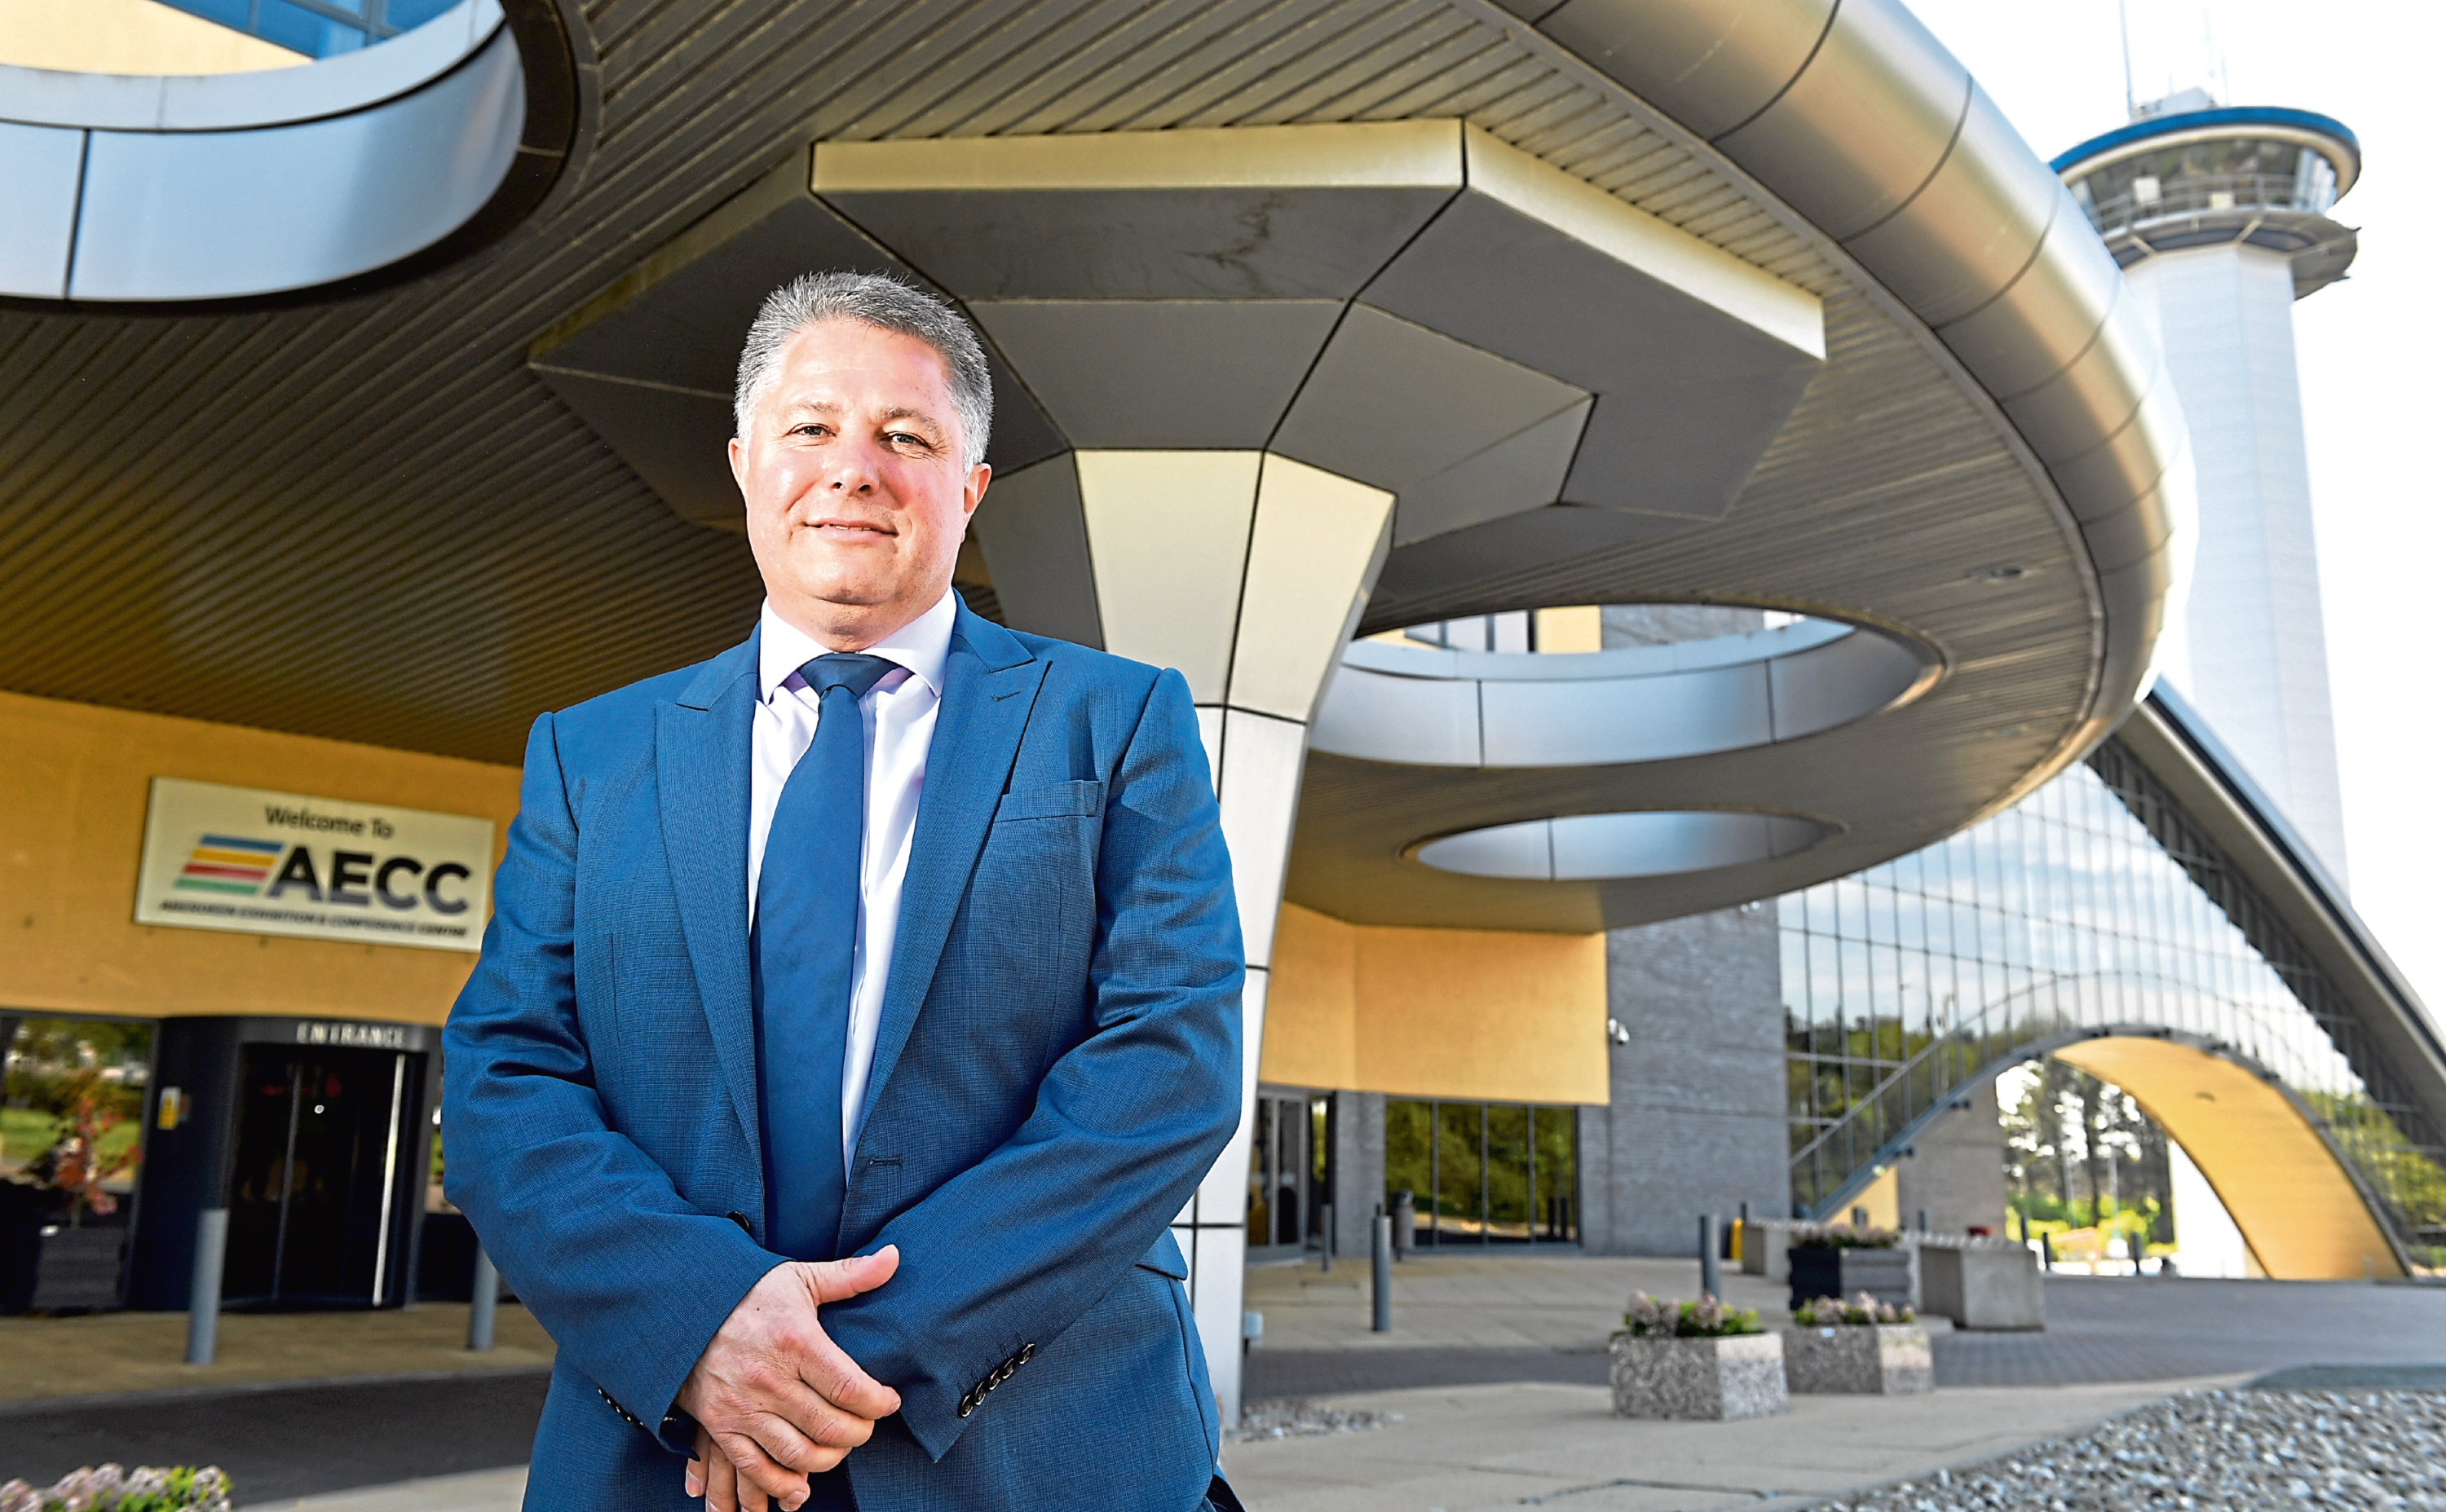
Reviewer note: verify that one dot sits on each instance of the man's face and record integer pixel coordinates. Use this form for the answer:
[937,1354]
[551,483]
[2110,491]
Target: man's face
[857,497]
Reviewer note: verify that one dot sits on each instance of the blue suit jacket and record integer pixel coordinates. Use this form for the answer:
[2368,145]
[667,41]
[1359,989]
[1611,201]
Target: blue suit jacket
[1057,1064]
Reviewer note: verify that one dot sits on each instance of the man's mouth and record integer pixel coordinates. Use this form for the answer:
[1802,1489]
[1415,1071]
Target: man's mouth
[852,529]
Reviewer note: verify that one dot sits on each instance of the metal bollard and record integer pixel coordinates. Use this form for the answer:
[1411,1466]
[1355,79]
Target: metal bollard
[1381,1260]
[204,1289]
[484,1302]
[1326,1216]
[1711,1280]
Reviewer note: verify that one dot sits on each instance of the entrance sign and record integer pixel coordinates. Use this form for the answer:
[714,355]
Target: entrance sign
[263,863]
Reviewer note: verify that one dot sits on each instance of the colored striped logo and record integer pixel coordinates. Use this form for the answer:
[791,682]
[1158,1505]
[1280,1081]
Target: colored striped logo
[223,863]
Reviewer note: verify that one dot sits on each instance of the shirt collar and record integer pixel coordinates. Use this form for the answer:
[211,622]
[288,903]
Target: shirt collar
[921,646]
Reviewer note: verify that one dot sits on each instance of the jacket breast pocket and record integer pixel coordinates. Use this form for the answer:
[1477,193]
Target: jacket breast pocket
[1051,800]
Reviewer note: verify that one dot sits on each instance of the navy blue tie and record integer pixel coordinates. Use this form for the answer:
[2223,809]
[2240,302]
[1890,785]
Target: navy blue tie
[800,952]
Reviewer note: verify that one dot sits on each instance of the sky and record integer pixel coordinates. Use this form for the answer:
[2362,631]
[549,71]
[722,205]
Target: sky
[2370,347]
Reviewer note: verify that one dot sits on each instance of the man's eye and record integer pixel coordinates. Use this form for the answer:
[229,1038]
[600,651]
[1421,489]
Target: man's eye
[810,428]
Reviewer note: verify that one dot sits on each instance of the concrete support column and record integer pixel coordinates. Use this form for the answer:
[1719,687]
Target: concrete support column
[1247,572]
[1358,1169]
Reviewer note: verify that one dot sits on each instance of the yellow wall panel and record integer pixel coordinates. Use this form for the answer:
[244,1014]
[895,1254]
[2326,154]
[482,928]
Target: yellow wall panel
[1464,1015]
[74,781]
[2300,1214]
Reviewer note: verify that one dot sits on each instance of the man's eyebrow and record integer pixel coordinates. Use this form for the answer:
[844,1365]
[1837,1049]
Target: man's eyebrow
[903,412]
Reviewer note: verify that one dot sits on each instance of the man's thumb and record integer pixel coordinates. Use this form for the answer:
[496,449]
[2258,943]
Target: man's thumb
[834,1281]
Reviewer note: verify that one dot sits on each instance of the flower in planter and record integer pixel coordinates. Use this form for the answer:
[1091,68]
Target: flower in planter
[1842,1235]
[1651,1318]
[1830,1310]
[108,1489]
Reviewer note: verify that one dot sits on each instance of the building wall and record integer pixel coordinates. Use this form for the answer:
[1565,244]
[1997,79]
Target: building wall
[1696,1122]
[1955,1173]
[77,780]
[1463,1014]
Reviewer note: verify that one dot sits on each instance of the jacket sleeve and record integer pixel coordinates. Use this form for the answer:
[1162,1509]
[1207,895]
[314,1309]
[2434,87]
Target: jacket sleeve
[630,1280]
[1017,1247]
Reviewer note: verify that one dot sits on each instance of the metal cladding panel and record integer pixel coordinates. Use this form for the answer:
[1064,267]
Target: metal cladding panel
[2130,462]
[1692,393]
[1710,64]
[2127,535]
[1145,244]
[1835,684]
[1972,231]
[1430,722]
[1034,533]
[678,441]
[1557,725]
[168,216]
[2034,330]
[1521,471]
[1161,372]
[40,170]
[2097,395]
[682,316]
[1864,127]
[1359,412]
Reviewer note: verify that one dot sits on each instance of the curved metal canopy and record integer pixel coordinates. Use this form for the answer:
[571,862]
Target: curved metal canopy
[389,504]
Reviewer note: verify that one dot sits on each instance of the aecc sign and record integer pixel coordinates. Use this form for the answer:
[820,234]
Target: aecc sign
[274,863]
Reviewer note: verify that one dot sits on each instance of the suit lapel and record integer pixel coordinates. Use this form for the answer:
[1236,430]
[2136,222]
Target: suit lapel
[990,685]
[701,770]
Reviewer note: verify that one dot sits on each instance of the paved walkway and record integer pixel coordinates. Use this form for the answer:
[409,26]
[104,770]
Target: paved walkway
[1462,1320]
[1458,1450]
[111,1354]
[1495,1364]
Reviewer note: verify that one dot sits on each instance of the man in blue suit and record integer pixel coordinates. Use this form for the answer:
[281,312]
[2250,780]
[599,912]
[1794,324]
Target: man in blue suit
[858,1008]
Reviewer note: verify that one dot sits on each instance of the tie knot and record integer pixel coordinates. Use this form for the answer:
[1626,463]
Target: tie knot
[846,669]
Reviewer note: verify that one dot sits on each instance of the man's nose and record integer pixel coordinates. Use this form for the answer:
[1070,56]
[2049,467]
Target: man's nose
[854,469]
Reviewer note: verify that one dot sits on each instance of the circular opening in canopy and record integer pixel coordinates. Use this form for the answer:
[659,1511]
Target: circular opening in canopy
[1608,847]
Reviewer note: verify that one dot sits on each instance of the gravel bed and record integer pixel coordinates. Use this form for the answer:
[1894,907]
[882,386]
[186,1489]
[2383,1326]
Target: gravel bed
[2230,1451]
[1298,1418]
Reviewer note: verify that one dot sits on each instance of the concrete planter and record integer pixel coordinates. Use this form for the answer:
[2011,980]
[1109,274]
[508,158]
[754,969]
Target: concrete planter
[1890,1275]
[1712,1379]
[1983,1285]
[1858,1359]
[1766,1250]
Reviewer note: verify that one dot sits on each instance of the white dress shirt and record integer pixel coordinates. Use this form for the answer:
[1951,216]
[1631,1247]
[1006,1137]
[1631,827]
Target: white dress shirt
[899,715]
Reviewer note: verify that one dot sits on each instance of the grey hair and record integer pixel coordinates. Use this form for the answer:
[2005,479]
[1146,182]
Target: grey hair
[886,303]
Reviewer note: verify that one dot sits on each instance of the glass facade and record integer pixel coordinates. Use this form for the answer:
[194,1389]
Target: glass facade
[1485,1173]
[318,28]
[2071,910]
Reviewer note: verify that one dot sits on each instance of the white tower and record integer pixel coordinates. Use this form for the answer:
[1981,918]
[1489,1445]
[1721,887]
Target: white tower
[2219,220]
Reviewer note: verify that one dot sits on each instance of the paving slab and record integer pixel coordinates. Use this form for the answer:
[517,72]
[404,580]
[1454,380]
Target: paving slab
[1458,1449]
[116,1353]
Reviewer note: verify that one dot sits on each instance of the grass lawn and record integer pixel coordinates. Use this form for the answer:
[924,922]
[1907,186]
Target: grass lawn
[25,1133]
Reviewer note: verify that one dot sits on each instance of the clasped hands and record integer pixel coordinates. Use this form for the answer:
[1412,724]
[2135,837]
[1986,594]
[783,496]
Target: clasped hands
[774,1399]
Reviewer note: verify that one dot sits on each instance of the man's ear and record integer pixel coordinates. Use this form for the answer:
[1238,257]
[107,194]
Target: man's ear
[739,465]
[979,476]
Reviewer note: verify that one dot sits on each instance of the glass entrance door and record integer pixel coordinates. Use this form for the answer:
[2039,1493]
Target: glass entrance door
[317,1180]
[1290,1173]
